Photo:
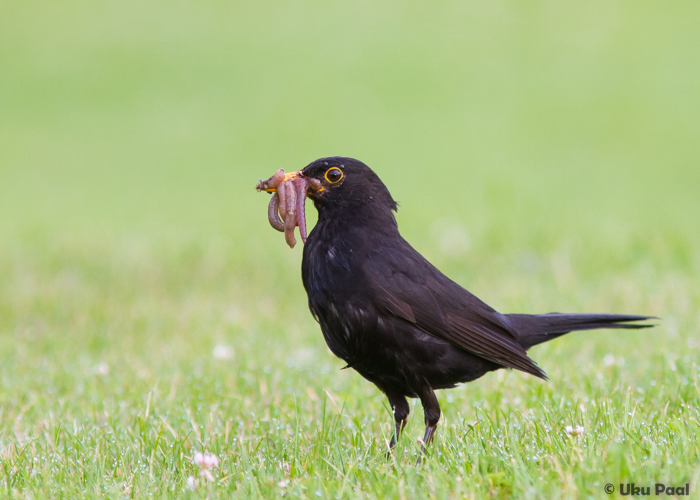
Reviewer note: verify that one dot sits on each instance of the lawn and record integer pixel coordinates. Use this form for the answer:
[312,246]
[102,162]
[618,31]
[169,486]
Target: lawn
[545,156]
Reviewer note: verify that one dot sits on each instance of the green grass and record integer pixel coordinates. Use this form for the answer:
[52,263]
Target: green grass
[545,157]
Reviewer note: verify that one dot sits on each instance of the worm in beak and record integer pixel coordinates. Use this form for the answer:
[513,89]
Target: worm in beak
[286,208]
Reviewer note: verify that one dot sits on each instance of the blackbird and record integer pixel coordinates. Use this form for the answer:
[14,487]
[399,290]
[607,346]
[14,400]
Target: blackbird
[394,317]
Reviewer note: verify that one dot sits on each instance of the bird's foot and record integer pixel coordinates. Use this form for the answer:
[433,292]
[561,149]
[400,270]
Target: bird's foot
[427,439]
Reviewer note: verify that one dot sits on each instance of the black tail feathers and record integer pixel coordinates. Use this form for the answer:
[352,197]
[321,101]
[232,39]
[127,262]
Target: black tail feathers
[536,329]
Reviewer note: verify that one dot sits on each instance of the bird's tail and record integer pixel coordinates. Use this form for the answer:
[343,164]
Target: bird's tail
[536,329]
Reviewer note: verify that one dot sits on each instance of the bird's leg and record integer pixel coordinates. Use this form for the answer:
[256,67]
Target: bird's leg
[399,406]
[431,410]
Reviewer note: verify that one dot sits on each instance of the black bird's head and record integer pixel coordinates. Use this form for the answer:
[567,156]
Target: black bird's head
[345,191]
[341,186]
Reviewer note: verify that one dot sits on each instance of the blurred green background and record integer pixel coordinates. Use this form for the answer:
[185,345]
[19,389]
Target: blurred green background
[133,118]
[545,155]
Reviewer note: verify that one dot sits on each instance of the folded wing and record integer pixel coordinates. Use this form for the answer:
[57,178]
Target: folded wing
[406,285]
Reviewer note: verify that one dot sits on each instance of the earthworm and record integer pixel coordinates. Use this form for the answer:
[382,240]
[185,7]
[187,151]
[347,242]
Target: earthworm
[272,216]
[282,193]
[291,220]
[301,185]
[291,194]
[272,182]
[286,208]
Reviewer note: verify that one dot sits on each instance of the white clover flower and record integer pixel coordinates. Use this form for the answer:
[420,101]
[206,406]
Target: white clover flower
[574,430]
[223,352]
[205,460]
[191,483]
[608,359]
[102,369]
[206,474]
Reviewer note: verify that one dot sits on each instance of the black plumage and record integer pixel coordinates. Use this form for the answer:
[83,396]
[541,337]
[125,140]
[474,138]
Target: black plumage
[395,318]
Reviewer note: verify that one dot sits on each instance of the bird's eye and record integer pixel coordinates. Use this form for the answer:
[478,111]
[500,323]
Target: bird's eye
[333,175]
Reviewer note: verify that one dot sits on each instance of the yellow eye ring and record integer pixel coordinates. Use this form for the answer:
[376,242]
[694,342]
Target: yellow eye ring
[334,171]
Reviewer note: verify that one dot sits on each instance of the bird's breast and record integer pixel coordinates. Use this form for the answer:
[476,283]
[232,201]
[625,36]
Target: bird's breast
[327,263]
[333,283]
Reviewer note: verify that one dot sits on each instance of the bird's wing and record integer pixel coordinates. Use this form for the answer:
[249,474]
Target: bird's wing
[406,285]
